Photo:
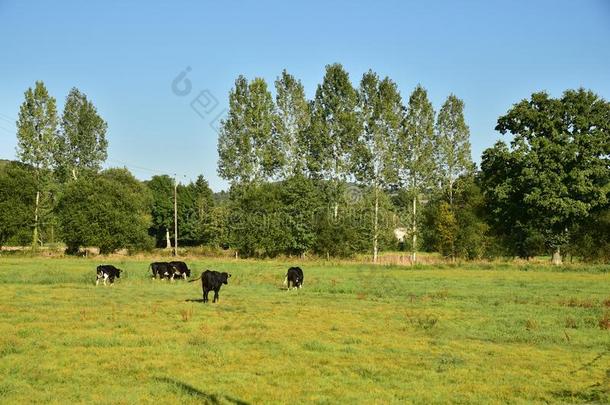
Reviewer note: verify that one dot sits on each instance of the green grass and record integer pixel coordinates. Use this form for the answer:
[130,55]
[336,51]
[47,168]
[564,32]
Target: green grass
[487,333]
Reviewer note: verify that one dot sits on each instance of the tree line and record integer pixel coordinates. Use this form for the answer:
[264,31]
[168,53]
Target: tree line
[340,174]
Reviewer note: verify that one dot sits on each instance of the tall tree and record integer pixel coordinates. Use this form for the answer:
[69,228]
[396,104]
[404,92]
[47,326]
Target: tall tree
[162,191]
[563,147]
[334,129]
[248,145]
[381,110]
[453,144]
[416,153]
[82,142]
[37,143]
[235,152]
[294,118]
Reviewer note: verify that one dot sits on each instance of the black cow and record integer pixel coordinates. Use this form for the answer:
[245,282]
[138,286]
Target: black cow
[162,270]
[212,280]
[107,272]
[295,277]
[181,270]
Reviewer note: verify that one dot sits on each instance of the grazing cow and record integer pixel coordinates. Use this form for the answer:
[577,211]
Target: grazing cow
[107,272]
[181,270]
[212,281]
[162,270]
[295,277]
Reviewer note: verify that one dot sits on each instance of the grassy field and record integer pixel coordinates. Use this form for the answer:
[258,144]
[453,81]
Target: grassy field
[353,334]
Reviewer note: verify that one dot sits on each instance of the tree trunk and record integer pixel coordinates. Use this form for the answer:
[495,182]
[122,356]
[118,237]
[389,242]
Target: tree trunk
[451,193]
[414,231]
[74,173]
[336,211]
[557,257]
[168,243]
[376,225]
[35,233]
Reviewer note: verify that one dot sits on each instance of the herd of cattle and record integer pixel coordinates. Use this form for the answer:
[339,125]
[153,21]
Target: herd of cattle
[210,280]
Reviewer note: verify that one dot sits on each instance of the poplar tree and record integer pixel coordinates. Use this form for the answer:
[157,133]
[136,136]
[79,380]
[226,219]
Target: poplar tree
[248,144]
[294,118]
[334,129]
[416,154]
[37,143]
[381,110]
[82,142]
[452,144]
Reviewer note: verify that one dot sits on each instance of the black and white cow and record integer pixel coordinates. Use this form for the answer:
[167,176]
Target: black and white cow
[107,272]
[162,270]
[180,270]
[295,277]
[212,281]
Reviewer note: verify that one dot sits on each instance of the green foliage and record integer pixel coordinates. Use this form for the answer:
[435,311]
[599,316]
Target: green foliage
[452,144]
[17,200]
[335,126]
[374,157]
[162,210]
[249,147]
[82,145]
[36,146]
[294,117]
[109,210]
[557,170]
[37,129]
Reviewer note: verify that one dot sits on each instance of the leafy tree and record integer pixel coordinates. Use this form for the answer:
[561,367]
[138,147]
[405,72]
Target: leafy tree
[453,143]
[294,118]
[36,145]
[591,239]
[446,229]
[162,212]
[374,155]
[416,153]
[82,144]
[511,222]
[17,201]
[249,147]
[110,210]
[562,148]
[335,127]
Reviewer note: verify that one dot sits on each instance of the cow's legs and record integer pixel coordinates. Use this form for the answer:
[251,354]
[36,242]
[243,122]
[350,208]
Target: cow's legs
[97,281]
[205,295]
[215,295]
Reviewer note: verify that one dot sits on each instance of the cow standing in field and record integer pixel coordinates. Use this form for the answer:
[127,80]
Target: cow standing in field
[107,272]
[295,277]
[162,270]
[212,281]
[180,270]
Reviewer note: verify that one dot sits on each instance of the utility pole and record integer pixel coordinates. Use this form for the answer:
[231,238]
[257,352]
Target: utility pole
[175,216]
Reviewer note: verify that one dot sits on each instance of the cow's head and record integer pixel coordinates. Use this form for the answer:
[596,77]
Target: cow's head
[225,277]
[188,272]
[118,273]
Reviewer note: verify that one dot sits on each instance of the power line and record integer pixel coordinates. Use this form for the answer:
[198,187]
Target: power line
[148,169]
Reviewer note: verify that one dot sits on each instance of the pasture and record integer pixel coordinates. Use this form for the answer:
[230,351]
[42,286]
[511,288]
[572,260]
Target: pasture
[355,333]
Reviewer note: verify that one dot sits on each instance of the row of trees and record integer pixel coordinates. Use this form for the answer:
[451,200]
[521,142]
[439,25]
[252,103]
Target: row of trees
[332,176]
[362,135]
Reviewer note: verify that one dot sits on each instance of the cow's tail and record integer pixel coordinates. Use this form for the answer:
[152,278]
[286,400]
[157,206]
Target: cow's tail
[195,279]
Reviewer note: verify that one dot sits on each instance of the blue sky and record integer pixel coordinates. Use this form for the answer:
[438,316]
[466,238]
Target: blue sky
[125,55]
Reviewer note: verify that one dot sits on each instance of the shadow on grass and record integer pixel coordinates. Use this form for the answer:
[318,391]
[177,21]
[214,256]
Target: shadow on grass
[212,399]
[194,300]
